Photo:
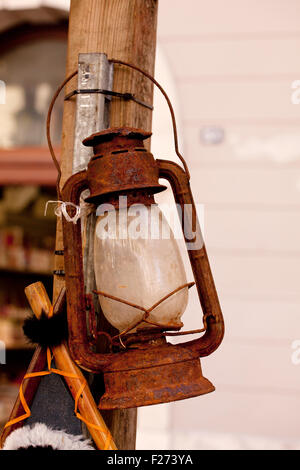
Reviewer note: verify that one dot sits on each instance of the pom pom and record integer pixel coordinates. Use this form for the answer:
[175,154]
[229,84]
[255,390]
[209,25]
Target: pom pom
[46,331]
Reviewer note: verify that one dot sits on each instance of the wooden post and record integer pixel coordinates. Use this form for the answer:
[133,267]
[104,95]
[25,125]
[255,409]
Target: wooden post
[124,30]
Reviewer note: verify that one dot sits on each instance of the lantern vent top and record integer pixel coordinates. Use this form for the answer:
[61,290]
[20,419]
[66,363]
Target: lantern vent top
[120,136]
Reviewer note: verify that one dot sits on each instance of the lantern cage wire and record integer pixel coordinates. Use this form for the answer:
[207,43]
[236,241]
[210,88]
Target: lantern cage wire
[161,328]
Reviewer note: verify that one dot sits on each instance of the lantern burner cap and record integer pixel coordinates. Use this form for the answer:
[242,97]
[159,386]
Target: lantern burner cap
[121,164]
[108,135]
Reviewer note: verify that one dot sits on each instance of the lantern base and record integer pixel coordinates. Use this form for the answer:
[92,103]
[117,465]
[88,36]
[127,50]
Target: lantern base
[153,385]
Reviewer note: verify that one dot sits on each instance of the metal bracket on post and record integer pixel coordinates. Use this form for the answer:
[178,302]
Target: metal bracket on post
[92,109]
[92,115]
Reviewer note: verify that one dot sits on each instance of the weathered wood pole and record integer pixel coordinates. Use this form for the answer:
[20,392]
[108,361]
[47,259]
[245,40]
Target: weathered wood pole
[124,30]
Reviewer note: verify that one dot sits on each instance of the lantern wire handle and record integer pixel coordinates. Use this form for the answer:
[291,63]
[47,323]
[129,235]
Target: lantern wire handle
[55,161]
[150,77]
[134,67]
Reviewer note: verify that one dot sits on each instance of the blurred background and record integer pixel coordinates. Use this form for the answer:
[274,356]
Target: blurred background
[229,68]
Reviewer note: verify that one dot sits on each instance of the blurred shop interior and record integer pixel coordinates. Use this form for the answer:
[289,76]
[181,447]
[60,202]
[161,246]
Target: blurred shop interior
[30,39]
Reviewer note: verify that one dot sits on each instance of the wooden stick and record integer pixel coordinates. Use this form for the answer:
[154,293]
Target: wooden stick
[39,301]
[38,361]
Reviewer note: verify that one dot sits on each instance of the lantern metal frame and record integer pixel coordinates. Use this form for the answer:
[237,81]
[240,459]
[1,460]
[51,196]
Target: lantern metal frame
[154,371]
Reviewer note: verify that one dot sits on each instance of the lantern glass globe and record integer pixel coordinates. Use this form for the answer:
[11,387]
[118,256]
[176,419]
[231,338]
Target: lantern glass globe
[137,259]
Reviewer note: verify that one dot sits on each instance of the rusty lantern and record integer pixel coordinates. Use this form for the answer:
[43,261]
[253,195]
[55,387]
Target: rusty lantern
[141,282]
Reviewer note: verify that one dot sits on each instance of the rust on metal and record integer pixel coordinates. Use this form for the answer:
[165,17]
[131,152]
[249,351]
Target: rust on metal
[121,164]
[150,370]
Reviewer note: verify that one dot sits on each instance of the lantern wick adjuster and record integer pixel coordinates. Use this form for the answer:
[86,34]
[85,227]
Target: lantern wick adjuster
[61,210]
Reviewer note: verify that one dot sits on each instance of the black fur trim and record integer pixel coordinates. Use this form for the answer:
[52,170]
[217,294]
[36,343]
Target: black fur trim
[46,331]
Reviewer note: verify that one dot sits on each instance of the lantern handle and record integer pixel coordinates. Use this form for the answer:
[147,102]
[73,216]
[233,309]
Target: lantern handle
[164,93]
[48,135]
[126,64]
[199,260]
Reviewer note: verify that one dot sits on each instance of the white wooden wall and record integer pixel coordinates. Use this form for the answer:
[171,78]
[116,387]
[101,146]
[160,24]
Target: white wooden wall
[233,64]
